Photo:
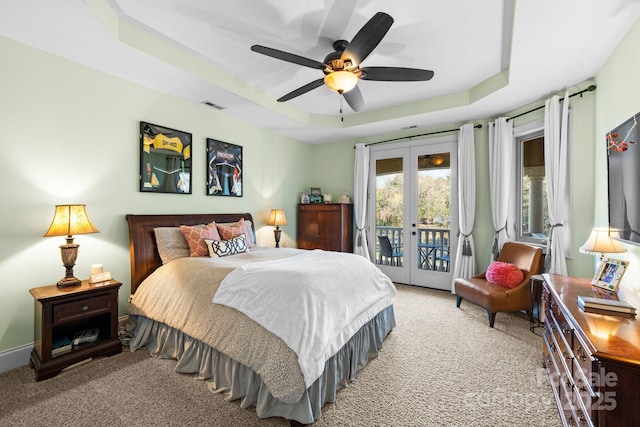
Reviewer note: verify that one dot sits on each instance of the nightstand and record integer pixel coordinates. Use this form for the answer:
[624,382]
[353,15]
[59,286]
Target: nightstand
[62,312]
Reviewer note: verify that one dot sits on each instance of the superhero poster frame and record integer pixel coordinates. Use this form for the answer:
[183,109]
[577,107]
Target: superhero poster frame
[224,169]
[165,159]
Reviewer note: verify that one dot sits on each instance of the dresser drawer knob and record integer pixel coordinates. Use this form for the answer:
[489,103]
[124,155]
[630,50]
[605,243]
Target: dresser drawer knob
[85,308]
[581,354]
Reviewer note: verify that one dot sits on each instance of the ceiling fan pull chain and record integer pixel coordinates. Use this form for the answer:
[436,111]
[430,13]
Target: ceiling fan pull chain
[341,102]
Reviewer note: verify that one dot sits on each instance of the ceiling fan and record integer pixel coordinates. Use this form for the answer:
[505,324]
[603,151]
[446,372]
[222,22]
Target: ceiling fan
[342,67]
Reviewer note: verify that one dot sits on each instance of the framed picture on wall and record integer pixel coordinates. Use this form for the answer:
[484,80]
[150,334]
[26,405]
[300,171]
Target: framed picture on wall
[224,168]
[165,160]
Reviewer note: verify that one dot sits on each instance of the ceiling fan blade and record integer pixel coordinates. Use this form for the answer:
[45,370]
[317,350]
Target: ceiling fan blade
[354,99]
[289,57]
[302,90]
[367,38]
[395,74]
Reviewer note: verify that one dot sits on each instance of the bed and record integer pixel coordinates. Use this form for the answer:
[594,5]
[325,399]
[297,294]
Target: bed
[235,349]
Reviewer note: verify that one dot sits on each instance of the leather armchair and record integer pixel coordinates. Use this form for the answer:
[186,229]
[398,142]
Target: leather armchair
[495,298]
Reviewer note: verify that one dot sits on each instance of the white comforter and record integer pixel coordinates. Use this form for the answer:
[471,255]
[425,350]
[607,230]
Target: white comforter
[314,301]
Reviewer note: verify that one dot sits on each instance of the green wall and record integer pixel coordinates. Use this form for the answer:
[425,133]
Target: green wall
[617,99]
[583,107]
[69,134]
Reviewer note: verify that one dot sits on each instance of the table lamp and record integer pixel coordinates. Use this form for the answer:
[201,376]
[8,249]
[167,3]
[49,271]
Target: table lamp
[67,221]
[602,241]
[277,218]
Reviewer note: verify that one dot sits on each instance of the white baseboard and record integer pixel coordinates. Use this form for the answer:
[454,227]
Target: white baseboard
[15,357]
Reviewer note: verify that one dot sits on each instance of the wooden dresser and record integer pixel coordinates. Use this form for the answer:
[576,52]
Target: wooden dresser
[327,226]
[593,360]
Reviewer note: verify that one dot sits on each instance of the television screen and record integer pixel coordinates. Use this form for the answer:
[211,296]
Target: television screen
[623,163]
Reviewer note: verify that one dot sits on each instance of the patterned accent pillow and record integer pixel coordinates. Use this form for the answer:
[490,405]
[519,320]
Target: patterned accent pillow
[220,248]
[229,231]
[195,237]
[250,236]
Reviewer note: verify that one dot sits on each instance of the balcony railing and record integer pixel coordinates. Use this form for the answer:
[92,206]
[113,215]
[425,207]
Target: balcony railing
[433,247]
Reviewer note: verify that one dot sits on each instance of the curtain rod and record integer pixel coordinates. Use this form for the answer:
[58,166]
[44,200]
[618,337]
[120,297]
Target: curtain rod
[591,88]
[415,136]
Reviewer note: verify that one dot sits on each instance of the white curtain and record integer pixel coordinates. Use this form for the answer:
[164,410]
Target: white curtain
[465,262]
[501,181]
[556,119]
[360,183]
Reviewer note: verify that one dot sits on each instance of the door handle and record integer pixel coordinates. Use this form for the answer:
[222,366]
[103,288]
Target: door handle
[413,233]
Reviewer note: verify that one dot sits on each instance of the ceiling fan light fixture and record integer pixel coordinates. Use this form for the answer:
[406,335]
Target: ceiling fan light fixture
[341,81]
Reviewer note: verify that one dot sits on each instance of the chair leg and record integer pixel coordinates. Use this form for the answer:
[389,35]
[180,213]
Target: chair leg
[458,301]
[492,318]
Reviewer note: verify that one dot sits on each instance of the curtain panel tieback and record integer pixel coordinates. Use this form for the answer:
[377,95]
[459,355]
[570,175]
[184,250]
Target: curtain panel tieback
[466,246]
[547,258]
[495,250]
[359,236]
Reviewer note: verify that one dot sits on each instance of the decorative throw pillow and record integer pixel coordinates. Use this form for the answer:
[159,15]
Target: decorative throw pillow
[171,243]
[504,274]
[229,231]
[220,248]
[250,235]
[195,238]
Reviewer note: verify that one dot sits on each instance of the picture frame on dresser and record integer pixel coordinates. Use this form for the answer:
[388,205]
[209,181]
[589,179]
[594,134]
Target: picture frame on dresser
[165,159]
[224,168]
[609,274]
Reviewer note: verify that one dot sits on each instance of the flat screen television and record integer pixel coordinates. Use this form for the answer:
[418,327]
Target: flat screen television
[623,166]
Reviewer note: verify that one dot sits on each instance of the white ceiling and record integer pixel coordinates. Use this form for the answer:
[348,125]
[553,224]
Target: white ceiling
[489,57]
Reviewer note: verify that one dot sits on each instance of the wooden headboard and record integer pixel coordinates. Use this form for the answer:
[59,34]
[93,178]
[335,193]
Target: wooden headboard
[142,241]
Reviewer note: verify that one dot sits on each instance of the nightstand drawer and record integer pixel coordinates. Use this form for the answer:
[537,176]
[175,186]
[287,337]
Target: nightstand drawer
[71,311]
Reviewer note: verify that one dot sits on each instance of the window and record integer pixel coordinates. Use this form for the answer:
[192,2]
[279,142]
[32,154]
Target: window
[532,215]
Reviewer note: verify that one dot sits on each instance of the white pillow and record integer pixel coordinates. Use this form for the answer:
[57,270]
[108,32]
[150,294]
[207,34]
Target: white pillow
[220,248]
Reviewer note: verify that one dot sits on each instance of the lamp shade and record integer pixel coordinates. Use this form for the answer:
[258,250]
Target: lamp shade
[277,217]
[69,220]
[341,81]
[602,241]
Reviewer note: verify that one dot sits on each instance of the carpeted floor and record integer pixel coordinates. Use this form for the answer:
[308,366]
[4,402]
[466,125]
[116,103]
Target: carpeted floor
[441,366]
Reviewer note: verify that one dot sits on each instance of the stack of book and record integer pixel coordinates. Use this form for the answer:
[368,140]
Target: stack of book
[61,346]
[606,306]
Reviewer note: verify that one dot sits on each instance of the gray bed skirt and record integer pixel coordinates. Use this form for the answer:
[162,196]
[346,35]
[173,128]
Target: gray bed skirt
[237,381]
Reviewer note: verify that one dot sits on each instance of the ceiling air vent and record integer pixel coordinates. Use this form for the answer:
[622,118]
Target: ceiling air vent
[211,104]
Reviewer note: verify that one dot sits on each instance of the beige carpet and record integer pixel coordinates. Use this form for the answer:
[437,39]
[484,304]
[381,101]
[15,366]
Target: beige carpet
[441,366]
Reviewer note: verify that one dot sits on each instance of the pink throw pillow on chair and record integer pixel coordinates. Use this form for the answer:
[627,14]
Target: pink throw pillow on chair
[504,274]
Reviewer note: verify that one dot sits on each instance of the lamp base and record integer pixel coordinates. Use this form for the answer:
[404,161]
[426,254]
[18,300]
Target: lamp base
[68,281]
[276,234]
[69,253]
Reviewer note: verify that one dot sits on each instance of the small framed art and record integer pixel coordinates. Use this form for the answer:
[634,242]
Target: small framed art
[224,168]
[165,160]
[609,274]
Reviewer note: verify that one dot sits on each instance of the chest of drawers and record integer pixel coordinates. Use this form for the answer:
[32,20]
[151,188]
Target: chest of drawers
[593,360]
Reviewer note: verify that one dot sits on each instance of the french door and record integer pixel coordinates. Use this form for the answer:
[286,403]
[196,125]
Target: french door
[413,211]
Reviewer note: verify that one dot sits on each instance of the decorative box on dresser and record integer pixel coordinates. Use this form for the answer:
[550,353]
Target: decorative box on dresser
[593,360]
[327,226]
[61,312]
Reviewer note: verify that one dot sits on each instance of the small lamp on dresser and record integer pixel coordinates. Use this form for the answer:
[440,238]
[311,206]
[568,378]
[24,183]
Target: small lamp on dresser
[67,221]
[277,218]
[602,241]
